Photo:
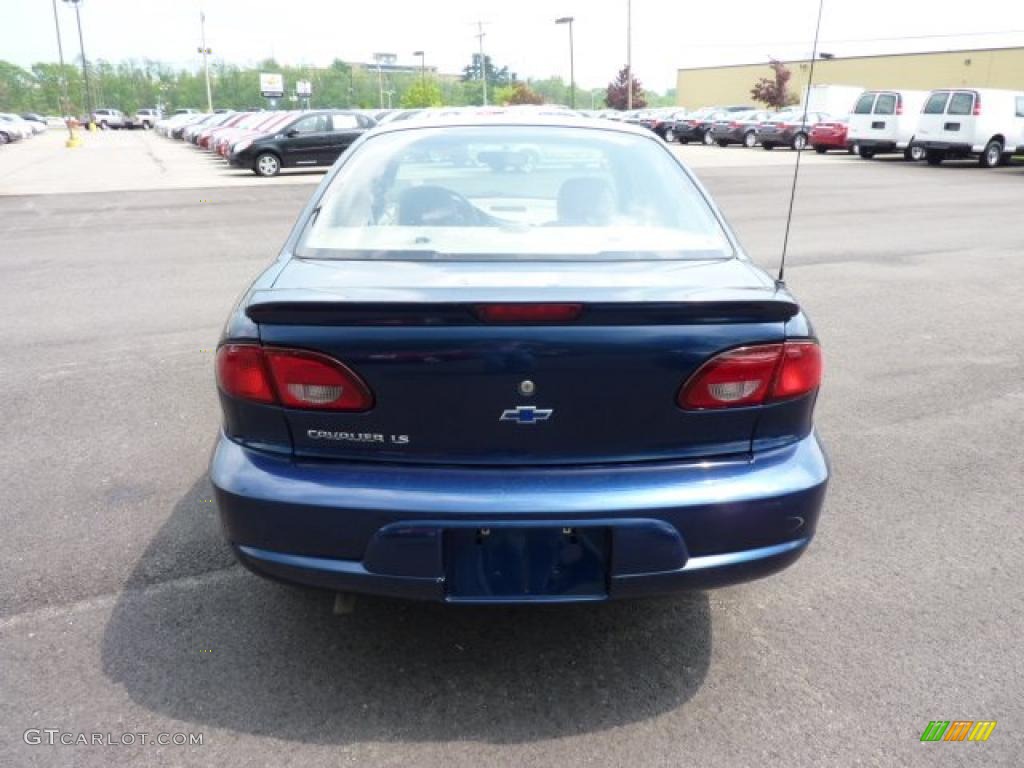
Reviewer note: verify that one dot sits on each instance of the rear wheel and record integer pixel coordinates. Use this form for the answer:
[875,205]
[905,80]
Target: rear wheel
[934,156]
[708,140]
[821,150]
[749,139]
[670,135]
[799,142]
[865,152]
[993,154]
[723,143]
[267,164]
[915,153]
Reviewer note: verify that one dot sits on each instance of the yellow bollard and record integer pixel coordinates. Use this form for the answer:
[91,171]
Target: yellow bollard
[92,127]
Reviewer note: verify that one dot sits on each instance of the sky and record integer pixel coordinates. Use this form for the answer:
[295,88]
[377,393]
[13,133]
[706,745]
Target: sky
[521,34]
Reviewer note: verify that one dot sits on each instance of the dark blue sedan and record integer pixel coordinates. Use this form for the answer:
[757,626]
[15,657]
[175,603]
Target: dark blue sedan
[516,358]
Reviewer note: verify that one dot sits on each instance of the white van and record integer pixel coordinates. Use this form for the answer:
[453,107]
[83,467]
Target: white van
[972,122]
[886,121]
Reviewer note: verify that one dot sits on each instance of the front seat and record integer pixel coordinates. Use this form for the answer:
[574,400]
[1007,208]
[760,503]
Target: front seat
[585,201]
[431,206]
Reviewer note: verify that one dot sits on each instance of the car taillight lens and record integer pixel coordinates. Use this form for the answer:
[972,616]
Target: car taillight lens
[734,125]
[528,313]
[242,372]
[293,378]
[754,375]
[977,105]
[899,104]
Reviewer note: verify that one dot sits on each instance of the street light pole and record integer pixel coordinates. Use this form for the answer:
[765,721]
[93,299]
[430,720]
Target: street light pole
[483,61]
[629,54]
[572,61]
[63,80]
[423,65]
[206,62]
[85,69]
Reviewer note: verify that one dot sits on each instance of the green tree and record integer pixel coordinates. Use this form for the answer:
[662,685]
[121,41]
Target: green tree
[422,93]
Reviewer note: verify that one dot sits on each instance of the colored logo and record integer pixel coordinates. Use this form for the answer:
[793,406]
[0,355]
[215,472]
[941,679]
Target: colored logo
[958,730]
[526,414]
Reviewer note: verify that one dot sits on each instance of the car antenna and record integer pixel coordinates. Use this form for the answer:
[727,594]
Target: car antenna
[780,280]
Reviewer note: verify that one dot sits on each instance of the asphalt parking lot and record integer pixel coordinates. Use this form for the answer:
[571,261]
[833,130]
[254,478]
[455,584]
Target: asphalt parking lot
[121,610]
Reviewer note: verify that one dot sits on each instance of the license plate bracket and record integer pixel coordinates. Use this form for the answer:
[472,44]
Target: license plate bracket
[526,563]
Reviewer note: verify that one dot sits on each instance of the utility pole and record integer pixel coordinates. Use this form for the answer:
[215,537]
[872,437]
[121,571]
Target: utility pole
[483,61]
[85,69]
[629,54]
[206,62]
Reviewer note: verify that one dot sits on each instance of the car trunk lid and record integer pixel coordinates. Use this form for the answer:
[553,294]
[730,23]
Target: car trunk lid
[451,387]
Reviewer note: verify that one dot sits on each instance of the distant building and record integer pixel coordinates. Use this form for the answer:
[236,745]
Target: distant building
[981,68]
[389,66]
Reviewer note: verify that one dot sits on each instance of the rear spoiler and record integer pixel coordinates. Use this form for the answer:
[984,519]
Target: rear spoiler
[283,311]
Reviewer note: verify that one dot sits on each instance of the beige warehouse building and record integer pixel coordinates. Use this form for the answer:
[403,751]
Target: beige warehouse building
[981,68]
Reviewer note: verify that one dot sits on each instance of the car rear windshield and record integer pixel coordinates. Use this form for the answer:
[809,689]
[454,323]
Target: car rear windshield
[513,192]
[886,104]
[863,106]
[961,103]
[936,103]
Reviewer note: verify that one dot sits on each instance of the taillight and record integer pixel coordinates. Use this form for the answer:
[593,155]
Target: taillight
[754,375]
[293,378]
[528,313]
[734,125]
[899,104]
[977,105]
[242,372]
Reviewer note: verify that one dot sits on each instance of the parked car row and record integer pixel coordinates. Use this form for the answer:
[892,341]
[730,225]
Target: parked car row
[18,127]
[267,141]
[951,123]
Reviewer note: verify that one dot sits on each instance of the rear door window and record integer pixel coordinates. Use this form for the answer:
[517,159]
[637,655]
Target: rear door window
[961,103]
[936,103]
[344,122]
[886,104]
[864,103]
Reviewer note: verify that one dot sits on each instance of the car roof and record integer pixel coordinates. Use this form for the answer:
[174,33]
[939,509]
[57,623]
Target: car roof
[525,118]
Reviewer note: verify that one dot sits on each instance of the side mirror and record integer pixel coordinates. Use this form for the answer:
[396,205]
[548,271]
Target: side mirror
[292,133]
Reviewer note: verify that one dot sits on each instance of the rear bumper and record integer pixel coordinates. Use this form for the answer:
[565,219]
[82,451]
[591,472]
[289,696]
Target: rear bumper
[381,529]
[879,145]
[950,147]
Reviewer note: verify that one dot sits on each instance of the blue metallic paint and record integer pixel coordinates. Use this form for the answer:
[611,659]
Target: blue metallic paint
[379,527]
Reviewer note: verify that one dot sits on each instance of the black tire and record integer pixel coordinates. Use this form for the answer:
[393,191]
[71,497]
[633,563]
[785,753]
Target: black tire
[934,156]
[916,153]
[707,139]
[992,156]
[800,142]
[104,126]
[722,143]
[669,135]
[750,139]
[767,145]
[821,150]
[267,164]
[865,152]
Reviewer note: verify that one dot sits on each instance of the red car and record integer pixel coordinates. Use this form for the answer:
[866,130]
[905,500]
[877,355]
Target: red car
[830,134]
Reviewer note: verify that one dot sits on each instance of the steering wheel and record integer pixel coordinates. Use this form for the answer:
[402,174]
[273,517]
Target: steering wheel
[434,206]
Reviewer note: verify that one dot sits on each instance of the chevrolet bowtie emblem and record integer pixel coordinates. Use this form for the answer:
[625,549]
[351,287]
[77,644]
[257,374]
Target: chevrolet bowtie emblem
[526,414]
